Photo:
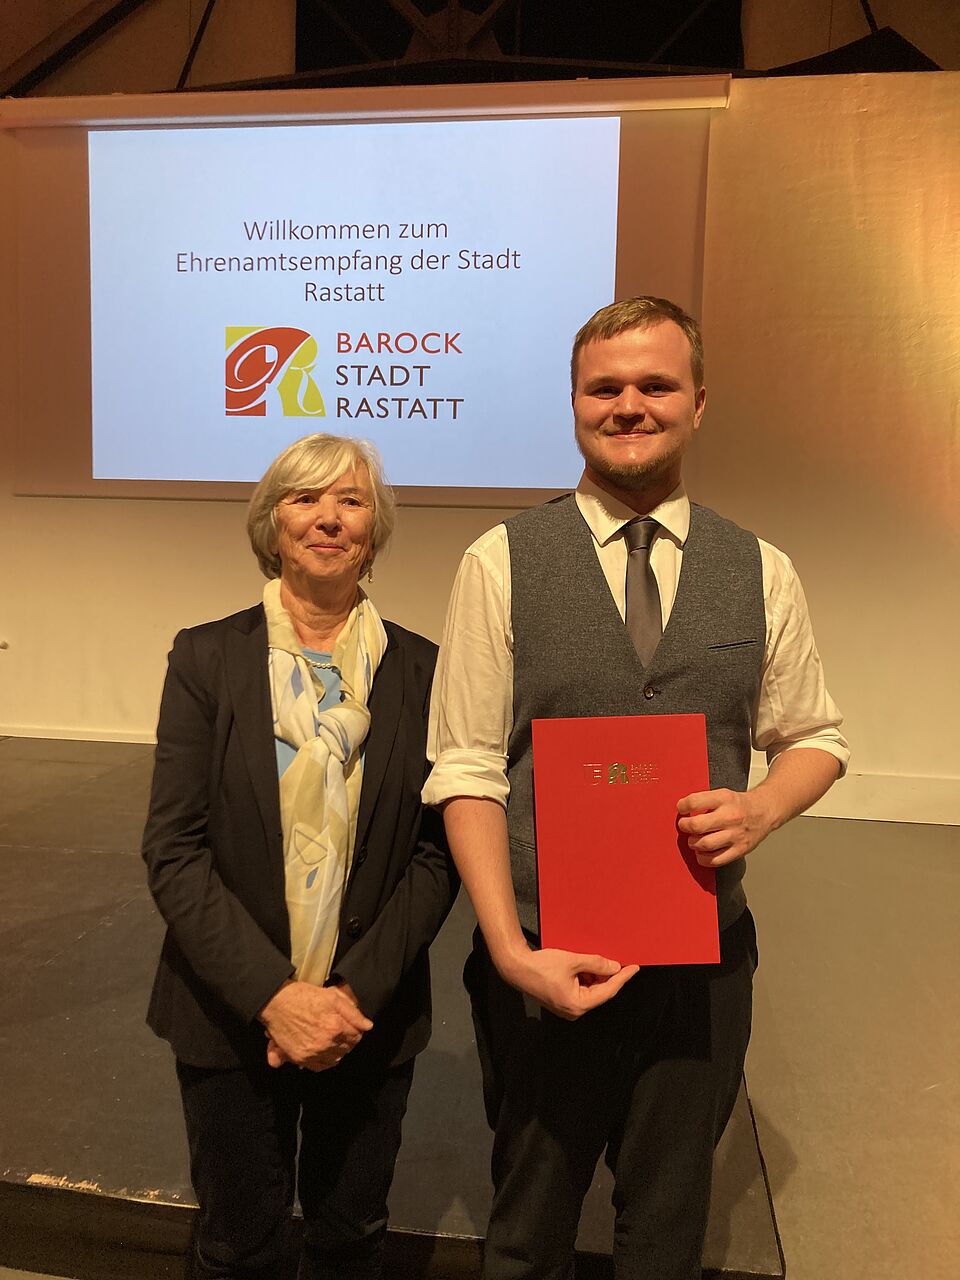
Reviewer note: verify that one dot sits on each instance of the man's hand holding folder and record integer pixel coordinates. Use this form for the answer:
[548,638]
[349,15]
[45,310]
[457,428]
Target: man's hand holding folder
[565,982]
[722,826]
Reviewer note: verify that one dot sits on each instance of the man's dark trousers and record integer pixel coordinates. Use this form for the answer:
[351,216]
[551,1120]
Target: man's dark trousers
[650,1078]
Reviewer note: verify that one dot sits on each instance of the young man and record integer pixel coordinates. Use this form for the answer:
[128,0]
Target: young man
[579,608]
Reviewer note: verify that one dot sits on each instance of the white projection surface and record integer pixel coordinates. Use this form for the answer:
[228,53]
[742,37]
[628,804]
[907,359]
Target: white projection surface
[416,284]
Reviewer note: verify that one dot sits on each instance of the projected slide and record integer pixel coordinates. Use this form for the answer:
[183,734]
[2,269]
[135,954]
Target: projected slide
[417,284]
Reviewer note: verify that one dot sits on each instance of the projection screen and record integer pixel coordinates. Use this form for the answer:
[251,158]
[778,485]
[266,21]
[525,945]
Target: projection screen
[204,278]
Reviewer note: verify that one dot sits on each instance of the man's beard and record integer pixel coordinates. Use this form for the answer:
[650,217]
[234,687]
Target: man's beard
[631,477]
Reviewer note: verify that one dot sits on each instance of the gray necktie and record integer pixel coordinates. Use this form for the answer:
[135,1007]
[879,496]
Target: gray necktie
[642,613]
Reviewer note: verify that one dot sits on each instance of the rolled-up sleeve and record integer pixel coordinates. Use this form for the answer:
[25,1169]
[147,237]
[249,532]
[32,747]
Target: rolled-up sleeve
[794,708]
[471,710]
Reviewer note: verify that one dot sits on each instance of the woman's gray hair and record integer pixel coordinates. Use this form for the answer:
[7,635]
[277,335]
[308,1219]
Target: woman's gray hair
[314,462]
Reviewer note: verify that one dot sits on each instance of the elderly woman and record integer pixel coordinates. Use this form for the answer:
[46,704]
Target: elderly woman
[300,880]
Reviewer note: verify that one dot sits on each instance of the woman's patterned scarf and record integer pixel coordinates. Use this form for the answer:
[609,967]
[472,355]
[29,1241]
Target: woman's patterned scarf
[320,789]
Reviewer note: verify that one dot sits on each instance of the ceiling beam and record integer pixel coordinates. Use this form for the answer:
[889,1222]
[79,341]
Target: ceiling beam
[688,21]
[352,35]
[195,45]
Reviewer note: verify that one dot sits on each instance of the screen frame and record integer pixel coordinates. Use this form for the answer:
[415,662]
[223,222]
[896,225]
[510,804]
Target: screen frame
[67,469]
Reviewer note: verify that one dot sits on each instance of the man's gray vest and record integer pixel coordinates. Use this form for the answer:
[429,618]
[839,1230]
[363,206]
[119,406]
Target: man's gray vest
[573,657]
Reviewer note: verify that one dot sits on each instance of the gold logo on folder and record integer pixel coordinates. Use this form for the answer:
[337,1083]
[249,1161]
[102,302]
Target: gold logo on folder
[621,773]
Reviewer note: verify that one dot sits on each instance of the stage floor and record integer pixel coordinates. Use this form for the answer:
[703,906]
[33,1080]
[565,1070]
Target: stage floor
[93,1171]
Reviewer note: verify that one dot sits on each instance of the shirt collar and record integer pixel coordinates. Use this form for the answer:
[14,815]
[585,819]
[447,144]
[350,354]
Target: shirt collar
[606,515]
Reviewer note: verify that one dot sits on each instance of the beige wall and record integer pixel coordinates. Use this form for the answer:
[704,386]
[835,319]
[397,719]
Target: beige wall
[832,321]
[831,307]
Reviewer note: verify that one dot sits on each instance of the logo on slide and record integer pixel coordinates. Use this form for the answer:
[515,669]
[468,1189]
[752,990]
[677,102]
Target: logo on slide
[271,366]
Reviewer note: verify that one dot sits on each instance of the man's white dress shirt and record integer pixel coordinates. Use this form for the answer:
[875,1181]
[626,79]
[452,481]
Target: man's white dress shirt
[471,714]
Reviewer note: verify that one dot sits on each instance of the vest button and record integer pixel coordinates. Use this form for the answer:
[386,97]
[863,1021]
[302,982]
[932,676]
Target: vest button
[354,927]
[361,856]
[649,691]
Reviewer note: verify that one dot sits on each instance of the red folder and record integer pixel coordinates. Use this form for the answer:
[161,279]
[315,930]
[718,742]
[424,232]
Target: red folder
[615,875]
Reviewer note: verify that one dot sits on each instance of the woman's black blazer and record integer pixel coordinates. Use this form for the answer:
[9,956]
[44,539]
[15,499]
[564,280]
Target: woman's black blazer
[214,856]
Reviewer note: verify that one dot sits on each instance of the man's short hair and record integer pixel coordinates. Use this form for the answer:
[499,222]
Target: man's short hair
[314,462]
[639,313]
